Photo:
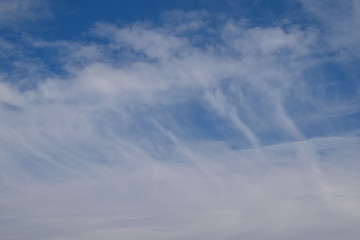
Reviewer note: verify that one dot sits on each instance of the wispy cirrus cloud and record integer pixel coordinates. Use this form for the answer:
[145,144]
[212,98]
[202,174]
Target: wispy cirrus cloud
[14,13]
[340,26]
[151,135]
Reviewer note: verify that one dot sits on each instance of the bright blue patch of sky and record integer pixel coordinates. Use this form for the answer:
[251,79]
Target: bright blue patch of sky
[70,18]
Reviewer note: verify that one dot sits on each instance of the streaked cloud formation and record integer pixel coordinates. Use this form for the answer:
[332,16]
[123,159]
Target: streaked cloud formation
[198,127]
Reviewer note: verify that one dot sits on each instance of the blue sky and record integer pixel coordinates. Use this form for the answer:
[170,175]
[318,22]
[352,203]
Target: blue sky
[179,119]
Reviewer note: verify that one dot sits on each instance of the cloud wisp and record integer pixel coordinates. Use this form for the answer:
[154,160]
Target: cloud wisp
[15,13]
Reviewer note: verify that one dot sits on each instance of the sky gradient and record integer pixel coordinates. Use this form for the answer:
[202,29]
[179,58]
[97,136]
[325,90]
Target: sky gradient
[179,120]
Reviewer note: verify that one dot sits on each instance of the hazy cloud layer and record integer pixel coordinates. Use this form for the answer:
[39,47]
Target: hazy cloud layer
[184,130]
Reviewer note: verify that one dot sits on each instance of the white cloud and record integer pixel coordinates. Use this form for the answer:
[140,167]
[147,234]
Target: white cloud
[100,154]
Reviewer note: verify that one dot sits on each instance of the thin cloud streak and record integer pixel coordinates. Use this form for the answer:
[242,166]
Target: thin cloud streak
[15,13]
